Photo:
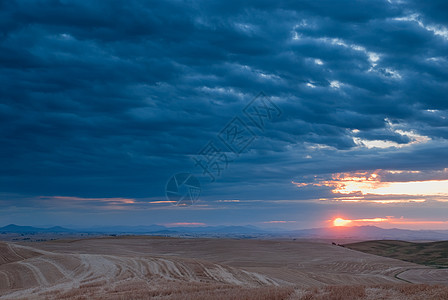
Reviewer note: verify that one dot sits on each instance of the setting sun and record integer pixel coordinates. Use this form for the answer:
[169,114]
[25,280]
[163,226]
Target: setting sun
[341,222]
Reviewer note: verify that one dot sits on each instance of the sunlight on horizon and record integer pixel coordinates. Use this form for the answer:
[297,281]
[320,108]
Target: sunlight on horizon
[340,222]
[390,222]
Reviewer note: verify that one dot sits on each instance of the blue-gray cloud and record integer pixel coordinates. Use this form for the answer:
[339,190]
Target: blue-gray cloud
[110,98]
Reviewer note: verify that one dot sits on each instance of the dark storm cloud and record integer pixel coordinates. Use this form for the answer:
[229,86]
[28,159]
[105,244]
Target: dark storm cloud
[435,10]
[109,98]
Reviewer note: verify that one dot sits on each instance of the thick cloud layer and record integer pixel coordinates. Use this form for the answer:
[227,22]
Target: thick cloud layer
[108,99]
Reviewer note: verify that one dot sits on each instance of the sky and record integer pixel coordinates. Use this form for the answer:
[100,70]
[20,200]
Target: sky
[281,113]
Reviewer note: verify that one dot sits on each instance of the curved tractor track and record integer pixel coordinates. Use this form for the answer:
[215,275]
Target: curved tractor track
[27,272]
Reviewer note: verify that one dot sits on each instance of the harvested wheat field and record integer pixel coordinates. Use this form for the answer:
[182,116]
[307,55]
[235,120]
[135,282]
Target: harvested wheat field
[159,268]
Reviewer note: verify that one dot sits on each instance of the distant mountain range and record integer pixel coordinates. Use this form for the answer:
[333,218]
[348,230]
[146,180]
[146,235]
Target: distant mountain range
[354,232]
[12,228]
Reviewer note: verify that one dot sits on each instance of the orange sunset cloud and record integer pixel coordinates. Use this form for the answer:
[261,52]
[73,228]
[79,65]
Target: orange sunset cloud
[355,186]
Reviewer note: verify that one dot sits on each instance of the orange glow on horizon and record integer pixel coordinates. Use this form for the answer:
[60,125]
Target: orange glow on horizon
[341,222]
[391,222]
[344,222]
[185,224]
